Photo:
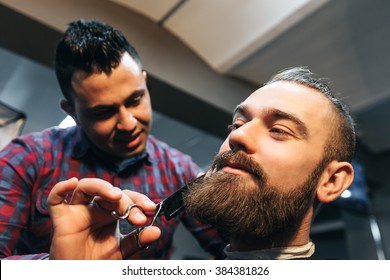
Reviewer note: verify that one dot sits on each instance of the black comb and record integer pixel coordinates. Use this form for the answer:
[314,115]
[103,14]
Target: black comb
[173,204]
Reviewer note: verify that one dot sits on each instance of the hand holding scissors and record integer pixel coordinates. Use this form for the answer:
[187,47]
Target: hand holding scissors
[83,225]
[170,207]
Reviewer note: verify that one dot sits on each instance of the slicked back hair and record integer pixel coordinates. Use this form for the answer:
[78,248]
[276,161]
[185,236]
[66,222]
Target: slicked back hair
[92,47]
[342,139]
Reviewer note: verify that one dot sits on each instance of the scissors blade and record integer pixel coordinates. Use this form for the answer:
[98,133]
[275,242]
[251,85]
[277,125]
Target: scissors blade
[156,214]
[173,204]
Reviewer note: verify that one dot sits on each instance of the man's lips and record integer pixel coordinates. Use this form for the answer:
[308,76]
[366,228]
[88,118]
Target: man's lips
[128,139]
[235,168]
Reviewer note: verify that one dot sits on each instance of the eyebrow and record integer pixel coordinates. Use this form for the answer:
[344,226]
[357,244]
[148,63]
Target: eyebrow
[276,114]
[240,109]
[134,94]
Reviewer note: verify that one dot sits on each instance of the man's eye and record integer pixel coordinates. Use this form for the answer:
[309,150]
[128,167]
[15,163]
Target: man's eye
[279,134]
[103,114]
[233,126]
[279,131]
[134,101]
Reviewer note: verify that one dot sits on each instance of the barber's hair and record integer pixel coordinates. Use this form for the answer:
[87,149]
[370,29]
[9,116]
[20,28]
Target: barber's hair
[342,139]
[92,47]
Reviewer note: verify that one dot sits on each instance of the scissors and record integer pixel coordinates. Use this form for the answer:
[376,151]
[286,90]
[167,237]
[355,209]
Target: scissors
[170,207]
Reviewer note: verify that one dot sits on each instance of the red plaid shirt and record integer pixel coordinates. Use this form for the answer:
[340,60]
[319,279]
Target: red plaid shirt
[31,165]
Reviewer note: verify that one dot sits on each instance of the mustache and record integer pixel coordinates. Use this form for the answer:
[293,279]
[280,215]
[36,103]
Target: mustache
[241,159]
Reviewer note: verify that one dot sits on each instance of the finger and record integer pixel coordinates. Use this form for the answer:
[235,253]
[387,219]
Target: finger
[129,243]
[140,199]
[59,192]
[88,188]
[148,235]
[137,214]
[128,209]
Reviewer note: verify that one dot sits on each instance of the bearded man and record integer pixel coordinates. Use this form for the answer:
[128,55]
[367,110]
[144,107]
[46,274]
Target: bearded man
[289,151]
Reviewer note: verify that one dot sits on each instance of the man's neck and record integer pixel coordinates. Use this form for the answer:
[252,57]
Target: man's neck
[295,237]
[258,243]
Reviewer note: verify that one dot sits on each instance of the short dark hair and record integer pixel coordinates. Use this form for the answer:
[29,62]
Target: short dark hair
[342,140]
[90,46]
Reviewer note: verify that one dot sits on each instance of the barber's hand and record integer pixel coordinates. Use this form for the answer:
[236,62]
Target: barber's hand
[84,227]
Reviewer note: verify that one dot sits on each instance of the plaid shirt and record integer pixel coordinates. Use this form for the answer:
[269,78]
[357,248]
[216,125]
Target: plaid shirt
[31,165]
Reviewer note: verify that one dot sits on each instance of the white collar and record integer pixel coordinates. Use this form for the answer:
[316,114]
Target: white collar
[281,253]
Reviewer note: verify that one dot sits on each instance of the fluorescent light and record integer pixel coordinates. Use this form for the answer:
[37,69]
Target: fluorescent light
[67,122]
[346,194]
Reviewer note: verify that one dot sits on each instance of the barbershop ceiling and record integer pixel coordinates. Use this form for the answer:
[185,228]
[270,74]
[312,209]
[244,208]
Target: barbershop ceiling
[211,54]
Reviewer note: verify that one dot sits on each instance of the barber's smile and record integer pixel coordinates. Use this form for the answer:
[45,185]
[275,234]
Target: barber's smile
[129,141]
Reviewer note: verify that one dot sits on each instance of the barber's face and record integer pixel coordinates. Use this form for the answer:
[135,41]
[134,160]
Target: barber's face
[264,178]
[114,110]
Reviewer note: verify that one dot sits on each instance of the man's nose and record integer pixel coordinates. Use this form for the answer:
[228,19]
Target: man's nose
[126,120]
[241,139]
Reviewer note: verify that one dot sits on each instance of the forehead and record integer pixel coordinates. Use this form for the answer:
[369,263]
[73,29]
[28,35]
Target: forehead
[127,63]
[126,78]
[305,103]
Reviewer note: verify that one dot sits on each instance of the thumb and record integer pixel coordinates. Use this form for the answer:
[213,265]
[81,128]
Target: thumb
[58,194]
[134,242]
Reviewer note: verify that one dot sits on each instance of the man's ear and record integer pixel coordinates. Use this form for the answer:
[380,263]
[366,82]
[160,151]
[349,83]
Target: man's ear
[69,109]
[145,75]
[335,179]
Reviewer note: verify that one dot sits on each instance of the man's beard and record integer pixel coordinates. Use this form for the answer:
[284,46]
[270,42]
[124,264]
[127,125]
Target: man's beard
[247,206]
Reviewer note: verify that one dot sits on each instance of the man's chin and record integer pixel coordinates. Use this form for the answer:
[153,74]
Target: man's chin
[129,154]
[123,152]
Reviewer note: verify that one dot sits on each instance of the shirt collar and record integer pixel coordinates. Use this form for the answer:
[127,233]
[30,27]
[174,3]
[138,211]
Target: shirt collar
[282,253]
